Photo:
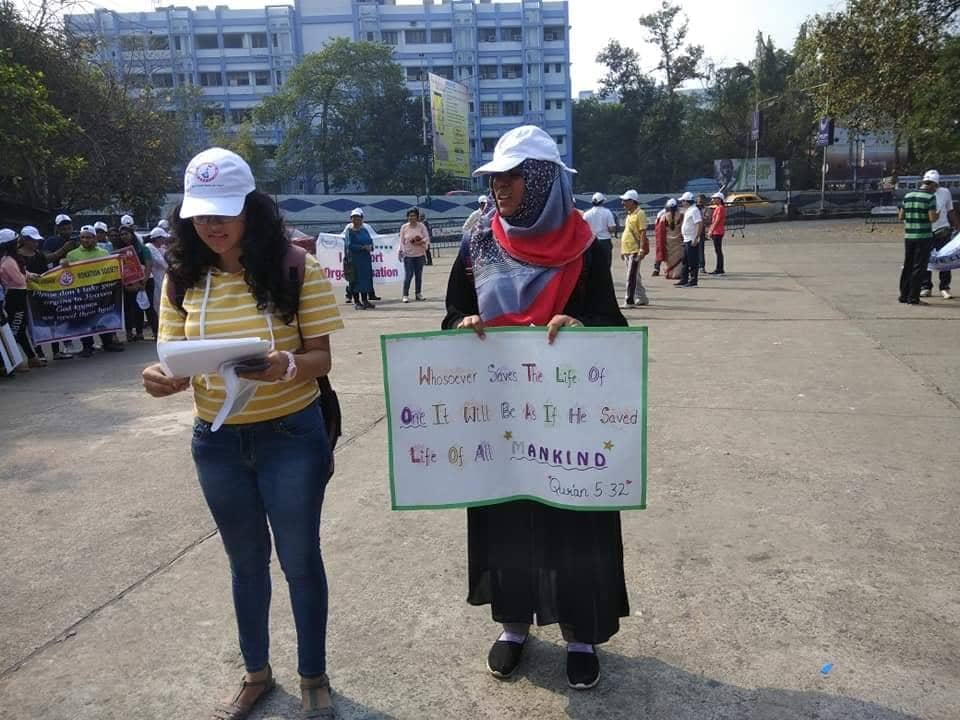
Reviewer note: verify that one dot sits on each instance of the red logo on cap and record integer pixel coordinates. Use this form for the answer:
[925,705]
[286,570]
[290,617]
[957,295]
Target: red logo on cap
[207,172]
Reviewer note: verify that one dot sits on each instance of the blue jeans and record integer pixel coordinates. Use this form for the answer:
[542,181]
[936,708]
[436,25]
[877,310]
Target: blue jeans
[413,268]
[272,471]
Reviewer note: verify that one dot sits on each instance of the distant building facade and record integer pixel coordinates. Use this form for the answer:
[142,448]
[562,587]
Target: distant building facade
[514,57]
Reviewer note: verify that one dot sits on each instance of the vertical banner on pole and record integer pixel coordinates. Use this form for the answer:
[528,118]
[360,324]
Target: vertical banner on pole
[451,140]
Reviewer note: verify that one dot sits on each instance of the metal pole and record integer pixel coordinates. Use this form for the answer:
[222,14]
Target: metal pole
[823,166]
[423,120]
[756,146]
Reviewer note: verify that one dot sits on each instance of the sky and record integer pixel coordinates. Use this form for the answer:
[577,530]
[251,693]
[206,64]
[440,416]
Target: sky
[725,29]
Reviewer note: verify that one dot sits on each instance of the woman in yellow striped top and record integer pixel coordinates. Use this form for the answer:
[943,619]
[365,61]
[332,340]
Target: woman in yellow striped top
[230,269]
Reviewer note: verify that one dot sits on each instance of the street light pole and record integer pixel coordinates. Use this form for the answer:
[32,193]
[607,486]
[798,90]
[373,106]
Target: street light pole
[423,121]
[756,144]
[823,165]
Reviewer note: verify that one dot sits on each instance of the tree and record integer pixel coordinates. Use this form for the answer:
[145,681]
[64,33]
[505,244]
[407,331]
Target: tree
[346,114]
[668,34]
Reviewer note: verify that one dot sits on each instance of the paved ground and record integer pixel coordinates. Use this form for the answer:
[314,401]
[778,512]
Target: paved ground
[803,501]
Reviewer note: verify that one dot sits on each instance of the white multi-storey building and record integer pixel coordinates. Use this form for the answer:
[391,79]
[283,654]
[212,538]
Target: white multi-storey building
[514,57]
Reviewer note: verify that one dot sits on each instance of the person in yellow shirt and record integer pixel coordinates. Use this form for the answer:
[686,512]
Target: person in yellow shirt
[634,246]
[267,467]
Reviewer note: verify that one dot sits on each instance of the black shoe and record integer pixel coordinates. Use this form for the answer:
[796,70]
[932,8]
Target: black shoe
[504,658]
[374,297]
[358,306]
[692,284]
[680,284]
[369,306]
[902,300]
[917,302]
[86,352]
[583,670]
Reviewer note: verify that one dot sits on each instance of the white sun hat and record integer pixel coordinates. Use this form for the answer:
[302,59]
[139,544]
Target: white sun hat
[598,197]
[88,230]
[163,224]
[158,232]
[216,182]
[482,200]
[100,225]
[631,195]
[672,202]
[717,196]
[31,232]
[7,235]
[126,221]
[356,212]
[932,176]
[687,197]
[62,218]
[527,142]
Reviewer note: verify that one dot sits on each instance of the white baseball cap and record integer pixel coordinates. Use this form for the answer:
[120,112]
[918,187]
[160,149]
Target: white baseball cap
[671,203]
[598,197]
[62,219]
[7,235]
[126,221]
[216,182]
[163,224]
[88,230]
[687,197]
[98,226]
[631,195]
[158,232]
[482,200]
[356,212]
[932,176]
[717,196]
[527,142]
[31,232]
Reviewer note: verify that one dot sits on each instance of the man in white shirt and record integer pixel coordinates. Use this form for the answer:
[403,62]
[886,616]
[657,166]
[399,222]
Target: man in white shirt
[942,230]
[475,216]
[603,224]
[691,227]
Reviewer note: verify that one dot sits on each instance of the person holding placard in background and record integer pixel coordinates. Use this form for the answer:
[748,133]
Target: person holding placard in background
[90,250]
[535,262]
[229,276]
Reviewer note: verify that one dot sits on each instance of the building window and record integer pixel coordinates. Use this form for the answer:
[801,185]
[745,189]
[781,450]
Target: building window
[158,42]
[185,78]
[258,40]
[233,41]
[206,42]
[487,35]
[131,43]
[471,106]
[371,36]
[512,107]
[162,80]
[488,144]
[443,35]
[238,79]
[444,71]
[210,79]
[177,43]
[415,74]
[390,37]
[512,72]
[558,67]
[552,34]
[488,72]
[261,77]
[511,34]
[279,78]
[415,37]
[557,104]
[489,108]
[240,115]
[560,139]
[465,71]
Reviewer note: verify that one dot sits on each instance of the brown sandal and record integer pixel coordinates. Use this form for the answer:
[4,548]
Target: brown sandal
[320,682]
[234,710]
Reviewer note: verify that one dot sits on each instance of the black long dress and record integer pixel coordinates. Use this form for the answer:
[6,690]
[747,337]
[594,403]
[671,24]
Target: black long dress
[530,561]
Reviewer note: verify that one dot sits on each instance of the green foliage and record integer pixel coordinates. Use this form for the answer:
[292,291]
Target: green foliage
[348,119]
[243,141]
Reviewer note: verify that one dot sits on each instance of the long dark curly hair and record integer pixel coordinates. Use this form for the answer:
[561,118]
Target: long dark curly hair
[264,245]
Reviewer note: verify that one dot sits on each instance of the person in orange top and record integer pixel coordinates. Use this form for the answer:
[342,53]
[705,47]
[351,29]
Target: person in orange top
[718,224]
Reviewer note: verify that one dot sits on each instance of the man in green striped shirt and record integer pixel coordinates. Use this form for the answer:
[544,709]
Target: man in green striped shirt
[918,212]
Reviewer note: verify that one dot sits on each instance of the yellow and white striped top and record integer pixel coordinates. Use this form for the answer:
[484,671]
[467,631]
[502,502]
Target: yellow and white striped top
[231,312]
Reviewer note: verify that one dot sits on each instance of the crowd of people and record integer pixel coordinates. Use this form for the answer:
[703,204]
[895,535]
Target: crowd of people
[25,255]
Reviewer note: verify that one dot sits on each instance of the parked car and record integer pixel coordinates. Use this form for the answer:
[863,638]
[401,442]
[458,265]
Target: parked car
[755,206]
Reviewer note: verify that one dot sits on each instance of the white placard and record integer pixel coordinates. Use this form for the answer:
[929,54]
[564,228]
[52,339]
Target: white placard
[478,422]
[387,265]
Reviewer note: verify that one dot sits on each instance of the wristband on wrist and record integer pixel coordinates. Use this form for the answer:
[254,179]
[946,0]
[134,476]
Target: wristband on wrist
[291,371]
